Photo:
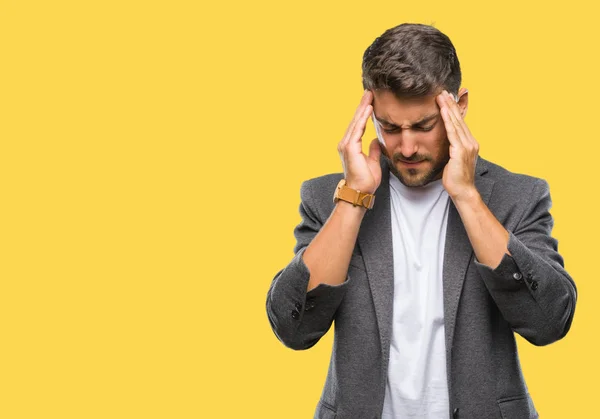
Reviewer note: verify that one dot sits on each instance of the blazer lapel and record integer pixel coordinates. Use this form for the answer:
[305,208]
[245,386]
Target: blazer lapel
[375,242]
[457,256]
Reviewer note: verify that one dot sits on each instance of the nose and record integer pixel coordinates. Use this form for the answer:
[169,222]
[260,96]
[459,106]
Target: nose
[408,144]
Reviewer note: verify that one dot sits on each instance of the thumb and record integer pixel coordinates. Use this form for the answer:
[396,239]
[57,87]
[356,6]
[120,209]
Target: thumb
[374,150]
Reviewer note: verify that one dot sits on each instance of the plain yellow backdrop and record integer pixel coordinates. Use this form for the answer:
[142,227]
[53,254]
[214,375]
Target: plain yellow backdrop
[151,160]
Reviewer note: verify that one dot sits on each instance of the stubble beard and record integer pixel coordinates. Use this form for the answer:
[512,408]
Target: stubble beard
[415,180]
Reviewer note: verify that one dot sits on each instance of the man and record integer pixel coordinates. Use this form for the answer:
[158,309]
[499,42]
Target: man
[430,258]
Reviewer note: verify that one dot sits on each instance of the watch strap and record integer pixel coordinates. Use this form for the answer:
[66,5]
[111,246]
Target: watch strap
[355,197]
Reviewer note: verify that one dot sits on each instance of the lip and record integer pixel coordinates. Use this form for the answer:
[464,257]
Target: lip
[411,163]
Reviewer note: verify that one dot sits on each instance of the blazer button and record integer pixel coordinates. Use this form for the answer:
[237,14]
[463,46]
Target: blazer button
[455,414]
[295,314]
[534,285]
[518,276]
[298,306]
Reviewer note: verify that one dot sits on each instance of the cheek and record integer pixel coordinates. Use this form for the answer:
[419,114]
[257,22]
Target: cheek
[437,144]
[433,141]
[440,131]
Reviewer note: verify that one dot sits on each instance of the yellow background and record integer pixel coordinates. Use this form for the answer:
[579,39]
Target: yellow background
[151,159]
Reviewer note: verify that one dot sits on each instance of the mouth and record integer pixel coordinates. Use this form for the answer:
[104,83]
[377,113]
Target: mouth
[411,163]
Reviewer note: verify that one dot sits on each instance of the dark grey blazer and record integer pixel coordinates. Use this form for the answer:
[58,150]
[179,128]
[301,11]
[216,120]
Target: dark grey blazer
[529,293]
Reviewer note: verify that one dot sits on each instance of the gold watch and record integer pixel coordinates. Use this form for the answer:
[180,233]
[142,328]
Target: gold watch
[353,196]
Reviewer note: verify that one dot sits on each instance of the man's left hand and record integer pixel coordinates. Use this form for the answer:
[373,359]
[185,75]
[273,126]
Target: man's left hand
[459,174]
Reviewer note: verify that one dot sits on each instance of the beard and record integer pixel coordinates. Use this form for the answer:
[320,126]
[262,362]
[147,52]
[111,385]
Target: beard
[417,177]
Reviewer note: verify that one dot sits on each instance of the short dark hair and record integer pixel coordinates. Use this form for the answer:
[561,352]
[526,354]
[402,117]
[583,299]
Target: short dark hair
[411,60]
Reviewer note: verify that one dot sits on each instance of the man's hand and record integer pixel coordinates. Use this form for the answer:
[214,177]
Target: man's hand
[362,172]
[459,174]
[487,235]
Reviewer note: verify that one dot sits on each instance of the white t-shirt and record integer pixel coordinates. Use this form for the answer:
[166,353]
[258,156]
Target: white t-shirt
[416,383]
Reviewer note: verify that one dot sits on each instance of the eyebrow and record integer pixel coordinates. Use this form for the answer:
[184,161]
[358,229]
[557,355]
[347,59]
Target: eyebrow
[420,122]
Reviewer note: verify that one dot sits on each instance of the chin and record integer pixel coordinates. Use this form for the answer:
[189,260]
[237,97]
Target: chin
[414,181]
[414,177]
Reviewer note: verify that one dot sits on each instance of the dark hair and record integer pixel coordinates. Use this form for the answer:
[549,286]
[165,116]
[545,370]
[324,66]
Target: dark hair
[411,60]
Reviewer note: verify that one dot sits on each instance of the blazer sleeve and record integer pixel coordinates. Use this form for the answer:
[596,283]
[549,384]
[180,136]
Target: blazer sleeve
[530,286]
[300,318]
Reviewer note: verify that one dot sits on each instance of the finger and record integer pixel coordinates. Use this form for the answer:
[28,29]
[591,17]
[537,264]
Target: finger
[453,105]
[460,135]
[462,128]
[450,128]
[468,142]
[456,118]
[374,150]
[467,131]
[365,100]
[359,129]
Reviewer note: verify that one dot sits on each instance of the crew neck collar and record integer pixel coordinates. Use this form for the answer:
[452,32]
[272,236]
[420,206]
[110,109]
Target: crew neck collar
[432,187]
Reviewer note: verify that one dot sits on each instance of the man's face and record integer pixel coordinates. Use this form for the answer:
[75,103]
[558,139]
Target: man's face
[416,146]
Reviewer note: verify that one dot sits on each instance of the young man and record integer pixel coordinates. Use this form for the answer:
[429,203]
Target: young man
[428,257]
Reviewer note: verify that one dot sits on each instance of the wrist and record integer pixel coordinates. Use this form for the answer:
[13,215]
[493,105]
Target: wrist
[364,189]
[468,197]
[356,197]
[348,209]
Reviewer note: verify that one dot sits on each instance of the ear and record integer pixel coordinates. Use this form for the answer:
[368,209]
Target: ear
[463,101]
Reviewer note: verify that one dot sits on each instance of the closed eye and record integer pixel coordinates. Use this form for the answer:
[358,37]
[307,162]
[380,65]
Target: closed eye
[390,131]
[424,129]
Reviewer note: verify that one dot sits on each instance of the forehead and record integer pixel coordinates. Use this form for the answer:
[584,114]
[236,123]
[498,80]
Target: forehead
[403,111]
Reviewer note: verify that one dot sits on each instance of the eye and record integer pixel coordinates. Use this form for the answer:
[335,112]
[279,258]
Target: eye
[423,129]
[390,131]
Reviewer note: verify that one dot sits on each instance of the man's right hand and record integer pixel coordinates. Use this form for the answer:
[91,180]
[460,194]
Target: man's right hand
[361,172]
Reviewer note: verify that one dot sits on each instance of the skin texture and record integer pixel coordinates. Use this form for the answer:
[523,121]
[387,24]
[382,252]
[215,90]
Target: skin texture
[406,141]
[448,151]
